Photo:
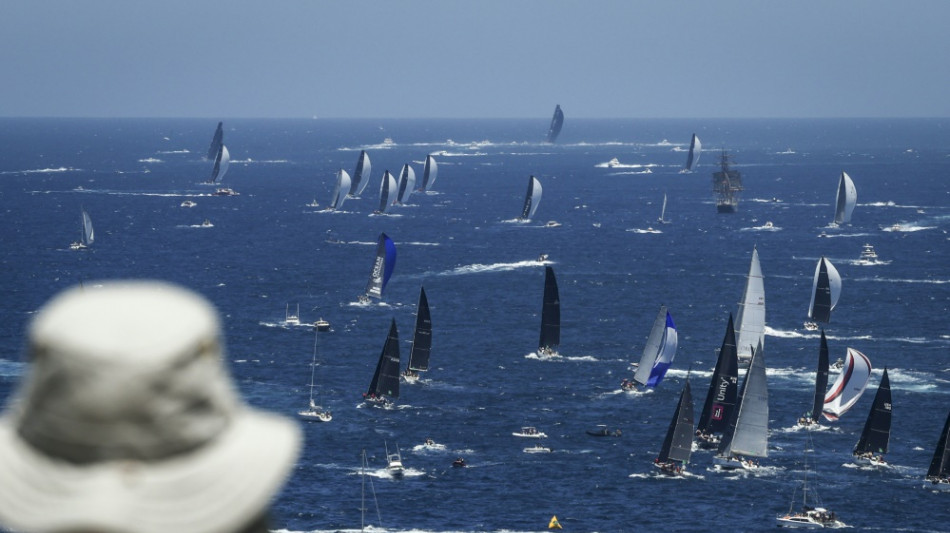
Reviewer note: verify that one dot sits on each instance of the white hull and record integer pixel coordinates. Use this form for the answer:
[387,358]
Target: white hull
[734,463]
[318,415]
[537,449]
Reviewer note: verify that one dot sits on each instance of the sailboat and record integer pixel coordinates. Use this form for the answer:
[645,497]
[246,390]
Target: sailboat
[387,191]
[826,290]
[429,173]
[812,514]
[727,184]
[383,267]
[550,315]
[421,341]
[662,219]
[360,175]
[747,435]
[86,236]
[314,411]
[216,141]
[532,199]
[872,445]
[821,383]
[384,388]
[222,159]
[557,121]
[723,392]
[695,149]
[938,475]
[658,353]
[678,444]
[340,191]
[750,317]
[846,199]
[407,183]
[848,386]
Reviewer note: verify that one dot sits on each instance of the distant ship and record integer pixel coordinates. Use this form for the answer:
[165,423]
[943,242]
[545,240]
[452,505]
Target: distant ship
[727,184]
[557,121]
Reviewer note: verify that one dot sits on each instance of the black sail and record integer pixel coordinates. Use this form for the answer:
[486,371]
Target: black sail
[821,379]
[422,338]
[557,121]
[386,378]
[360,174]
[678,444]
[216,141]
[550,314]
[724,386]
[877,428]
[821,311]
[940,465]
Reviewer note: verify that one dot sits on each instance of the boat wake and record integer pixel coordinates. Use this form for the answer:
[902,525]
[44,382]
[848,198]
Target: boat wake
[892,280]
[644,230]
[495,267]
[907,228]
[41,171]
[764,227]
[559,358]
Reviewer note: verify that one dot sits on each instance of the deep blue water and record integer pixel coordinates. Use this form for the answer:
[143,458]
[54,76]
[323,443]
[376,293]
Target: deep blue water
[268,249]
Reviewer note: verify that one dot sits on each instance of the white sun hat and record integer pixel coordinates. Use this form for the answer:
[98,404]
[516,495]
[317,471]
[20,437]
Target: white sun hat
[128,421]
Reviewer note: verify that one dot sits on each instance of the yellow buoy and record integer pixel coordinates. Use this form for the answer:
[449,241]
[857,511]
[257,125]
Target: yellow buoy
[554,524]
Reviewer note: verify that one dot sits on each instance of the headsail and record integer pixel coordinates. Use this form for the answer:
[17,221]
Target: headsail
[695,149]
[848,386]
[340,191]
[750,317]
[531,199]
[221,161]
[407,183]
[216,141]
[361,174]
[550,315]
[940,464]
[429,173]
[826,289]
[557,121]
[748,432]
[877,428]
[846,199]
[387,190]
[383,266]
[422,337]
[659,351]
[723,388]
[678,444]
[386,377]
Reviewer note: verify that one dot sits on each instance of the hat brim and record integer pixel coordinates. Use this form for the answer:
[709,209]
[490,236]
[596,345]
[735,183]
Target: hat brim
[214,489]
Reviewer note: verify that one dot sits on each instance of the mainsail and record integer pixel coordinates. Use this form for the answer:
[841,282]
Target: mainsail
[846,199]
[695,149]
[940,464]
[723,388]
[387,189]
[422,338]
[385,381]
[727,184]
[826,289]
[659,351]
[877,428]
[216,141]
[750,317]
[678,444]
[531,199]
[821,380]
[848,386]
[557,121]
[340,191]
[361,174]
[748,431]
[88,234]
[429,173]
[383,266]
[550,315]
[407,183]
[221,161]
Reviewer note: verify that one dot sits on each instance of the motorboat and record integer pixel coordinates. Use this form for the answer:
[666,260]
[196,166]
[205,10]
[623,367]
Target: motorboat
[530,432]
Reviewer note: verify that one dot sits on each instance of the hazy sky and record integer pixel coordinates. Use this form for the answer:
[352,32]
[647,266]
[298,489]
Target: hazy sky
[475,58]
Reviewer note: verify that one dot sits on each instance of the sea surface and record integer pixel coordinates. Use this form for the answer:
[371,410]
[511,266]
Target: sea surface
[267,249]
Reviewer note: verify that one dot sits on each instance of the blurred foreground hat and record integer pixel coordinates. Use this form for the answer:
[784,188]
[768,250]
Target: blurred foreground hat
[128,421]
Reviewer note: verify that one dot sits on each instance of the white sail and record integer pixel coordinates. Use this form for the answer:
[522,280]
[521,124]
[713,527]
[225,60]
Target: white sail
[88,235]
[341,189]
[662,218]
[651,350]
[846,199]
[824,299]
[361,174]
[532,199]
[751,437]
[848,386]
[407,183]
[387,191]
[750,317]
[429,173]
[695,149]
[225,162]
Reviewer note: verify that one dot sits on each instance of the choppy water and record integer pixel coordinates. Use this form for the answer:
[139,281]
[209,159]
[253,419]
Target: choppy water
[267,248]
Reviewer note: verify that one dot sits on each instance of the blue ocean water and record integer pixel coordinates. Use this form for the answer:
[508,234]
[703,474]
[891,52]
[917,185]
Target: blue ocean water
[268,248]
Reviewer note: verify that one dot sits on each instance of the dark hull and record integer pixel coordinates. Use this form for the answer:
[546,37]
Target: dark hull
[726,208]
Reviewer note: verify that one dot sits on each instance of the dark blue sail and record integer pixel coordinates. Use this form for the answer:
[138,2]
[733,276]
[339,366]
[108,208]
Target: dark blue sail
[216,141]
[724,386]
[550,314]
[557,121]
[383,266]
[385,382]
